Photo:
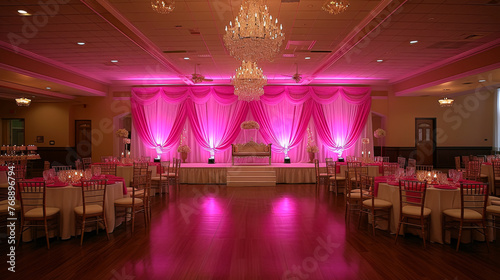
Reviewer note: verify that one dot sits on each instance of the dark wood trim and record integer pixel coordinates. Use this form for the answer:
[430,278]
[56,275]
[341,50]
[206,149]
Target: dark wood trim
[58,155]
[444,155]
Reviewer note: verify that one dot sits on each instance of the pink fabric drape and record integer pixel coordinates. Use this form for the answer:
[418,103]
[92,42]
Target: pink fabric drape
[340,123]
[157,122]
[215,126]
[283,124]
[215,115]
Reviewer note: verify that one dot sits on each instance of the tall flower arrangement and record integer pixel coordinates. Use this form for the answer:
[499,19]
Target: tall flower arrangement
[379,133]
[311,147]
[123,133]
[183,148]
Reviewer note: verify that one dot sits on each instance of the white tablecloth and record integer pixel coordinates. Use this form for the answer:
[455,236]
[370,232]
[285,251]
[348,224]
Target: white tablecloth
[488,170]
[67,198]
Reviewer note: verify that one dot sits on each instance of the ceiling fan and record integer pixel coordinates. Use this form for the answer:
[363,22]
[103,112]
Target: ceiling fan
[296,77]
[198,78]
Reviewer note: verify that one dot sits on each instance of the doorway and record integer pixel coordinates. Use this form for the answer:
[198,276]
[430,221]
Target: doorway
[83,138]
[425,140]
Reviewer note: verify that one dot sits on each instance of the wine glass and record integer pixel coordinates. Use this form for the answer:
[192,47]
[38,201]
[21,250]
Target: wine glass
[96,171]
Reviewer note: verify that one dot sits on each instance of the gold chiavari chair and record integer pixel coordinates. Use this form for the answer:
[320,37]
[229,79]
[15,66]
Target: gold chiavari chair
[412,210]
[108,168]
[34,212]
[138,202]
[92,209]
[472,212]
[402,162]
[320,176]
[426,168]
[389,168]
[496,177]
[334,179]
[372,206]
[87,161]
[161,182]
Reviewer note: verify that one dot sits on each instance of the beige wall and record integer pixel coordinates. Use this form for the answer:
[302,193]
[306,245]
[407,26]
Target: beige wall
[101,110]
[49,120]
[56,121]
[468,123]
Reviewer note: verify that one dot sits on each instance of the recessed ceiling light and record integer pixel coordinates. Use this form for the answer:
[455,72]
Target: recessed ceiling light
[413,42]
[114,60]
[482,81]
[186,58]
[48,88]
[307,57]
[380,60]
[23,13]
[81,43]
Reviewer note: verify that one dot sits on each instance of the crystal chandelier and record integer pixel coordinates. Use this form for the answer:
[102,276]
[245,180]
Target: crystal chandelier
[249,81]
[23,101]
[445,102]
[335,7]
[254,35]
[163,6]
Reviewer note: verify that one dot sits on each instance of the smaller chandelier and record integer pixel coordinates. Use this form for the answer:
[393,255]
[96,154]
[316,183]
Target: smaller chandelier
[23,101]
[445,102]
[254,35]
[249,81]
[335,7]
[163,6]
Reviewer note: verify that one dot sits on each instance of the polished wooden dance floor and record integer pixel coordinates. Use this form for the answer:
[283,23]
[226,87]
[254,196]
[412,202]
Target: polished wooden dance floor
[219,232]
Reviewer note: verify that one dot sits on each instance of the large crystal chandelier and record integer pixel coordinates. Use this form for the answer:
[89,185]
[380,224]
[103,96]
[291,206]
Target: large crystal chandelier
[335,7]
[163,6]
[249,81]
[254,35]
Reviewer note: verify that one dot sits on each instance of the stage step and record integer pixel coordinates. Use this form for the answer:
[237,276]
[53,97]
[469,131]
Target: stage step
[251,176]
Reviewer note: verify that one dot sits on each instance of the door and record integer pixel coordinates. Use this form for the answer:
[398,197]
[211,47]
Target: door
[83,138]
[425,140]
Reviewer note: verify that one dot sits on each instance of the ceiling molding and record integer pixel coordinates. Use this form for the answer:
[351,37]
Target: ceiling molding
[122,25]
[36,91]
[31,73]
[467,54]
[360,32]
[485,61]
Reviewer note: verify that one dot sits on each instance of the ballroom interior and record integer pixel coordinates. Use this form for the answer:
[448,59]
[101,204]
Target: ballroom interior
[424,72]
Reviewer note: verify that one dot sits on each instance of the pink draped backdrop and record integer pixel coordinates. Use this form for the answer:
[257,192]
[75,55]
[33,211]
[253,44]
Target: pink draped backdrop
[337,116]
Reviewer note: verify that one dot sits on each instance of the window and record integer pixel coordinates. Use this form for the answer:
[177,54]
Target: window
[13,132]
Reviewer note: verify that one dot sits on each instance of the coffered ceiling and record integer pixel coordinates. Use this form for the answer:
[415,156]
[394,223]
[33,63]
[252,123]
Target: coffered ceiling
[458,43]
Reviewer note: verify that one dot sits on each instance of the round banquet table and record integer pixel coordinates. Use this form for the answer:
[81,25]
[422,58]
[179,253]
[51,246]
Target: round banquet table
[437,200]
[67,198]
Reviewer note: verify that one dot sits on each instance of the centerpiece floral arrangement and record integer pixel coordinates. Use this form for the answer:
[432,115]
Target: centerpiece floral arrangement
[184,149]
[122,132]
[379,133]
[311,147]
[365,141]
[250,125]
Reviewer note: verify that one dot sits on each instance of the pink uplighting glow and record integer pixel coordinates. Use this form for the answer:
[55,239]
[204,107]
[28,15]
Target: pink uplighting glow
[214,114]
[211,207]
[284,205]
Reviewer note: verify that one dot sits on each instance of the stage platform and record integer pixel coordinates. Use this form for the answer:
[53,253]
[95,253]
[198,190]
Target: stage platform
[204,173]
